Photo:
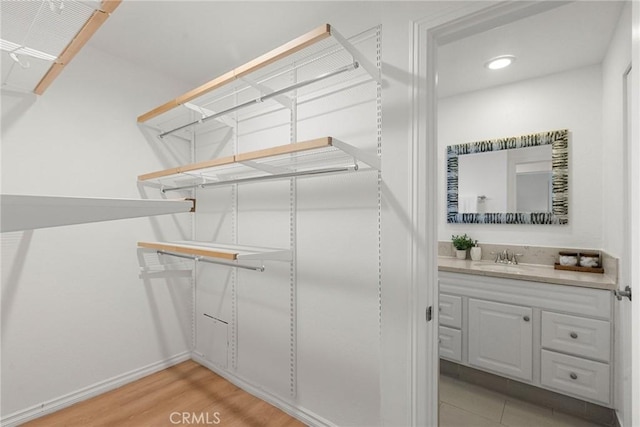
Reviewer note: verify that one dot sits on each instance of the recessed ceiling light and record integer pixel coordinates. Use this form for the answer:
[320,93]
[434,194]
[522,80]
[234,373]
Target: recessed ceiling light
[500,62]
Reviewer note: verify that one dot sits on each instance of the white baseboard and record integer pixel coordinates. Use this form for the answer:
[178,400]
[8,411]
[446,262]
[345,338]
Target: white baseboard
[59,403]
[307,417]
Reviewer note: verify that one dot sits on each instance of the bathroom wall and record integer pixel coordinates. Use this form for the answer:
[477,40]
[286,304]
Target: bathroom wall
[571,100]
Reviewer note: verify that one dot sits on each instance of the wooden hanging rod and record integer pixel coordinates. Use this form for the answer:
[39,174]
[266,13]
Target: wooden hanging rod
[243,157]
[314,36]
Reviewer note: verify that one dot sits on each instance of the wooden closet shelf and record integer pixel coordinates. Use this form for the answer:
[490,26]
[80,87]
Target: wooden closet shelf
[305,157]
[220,251]
[321,55]
[317,34]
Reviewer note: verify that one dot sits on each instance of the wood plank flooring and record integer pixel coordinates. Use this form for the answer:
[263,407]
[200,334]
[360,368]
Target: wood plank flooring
[185,394]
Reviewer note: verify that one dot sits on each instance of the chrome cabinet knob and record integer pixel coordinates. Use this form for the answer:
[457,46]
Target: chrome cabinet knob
[573,335]
[526,318]
[573,376]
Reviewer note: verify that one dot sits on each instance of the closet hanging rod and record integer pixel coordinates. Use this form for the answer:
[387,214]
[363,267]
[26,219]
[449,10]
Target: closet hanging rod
[211,261]
[265,177]
[262,98]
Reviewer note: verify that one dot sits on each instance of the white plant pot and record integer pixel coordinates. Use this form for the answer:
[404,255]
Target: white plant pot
[461,254]
[476,253]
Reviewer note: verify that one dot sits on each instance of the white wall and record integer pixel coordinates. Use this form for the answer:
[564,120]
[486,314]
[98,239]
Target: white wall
[614,158]
[295,331]
[353,343]
[571,100]
[130,324]
[74,312]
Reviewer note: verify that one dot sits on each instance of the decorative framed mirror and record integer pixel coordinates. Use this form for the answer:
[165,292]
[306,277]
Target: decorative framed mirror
[514,180]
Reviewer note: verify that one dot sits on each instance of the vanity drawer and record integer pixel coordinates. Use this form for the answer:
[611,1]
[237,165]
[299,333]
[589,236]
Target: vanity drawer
[450,311]
[580,377]
[450,343]
[576,335]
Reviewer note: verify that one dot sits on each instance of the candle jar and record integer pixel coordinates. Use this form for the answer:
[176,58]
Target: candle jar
[589,259]
[568,258]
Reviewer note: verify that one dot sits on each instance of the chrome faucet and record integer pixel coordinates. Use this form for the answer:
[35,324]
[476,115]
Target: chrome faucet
[506,257]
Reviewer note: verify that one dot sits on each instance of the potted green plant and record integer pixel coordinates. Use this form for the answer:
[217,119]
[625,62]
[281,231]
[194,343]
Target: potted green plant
[462,243]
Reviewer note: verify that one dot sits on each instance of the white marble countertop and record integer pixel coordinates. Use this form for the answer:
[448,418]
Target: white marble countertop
[531,272]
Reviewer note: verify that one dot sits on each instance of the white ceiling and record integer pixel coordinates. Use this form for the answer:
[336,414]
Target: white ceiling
[195,41]
[569,36]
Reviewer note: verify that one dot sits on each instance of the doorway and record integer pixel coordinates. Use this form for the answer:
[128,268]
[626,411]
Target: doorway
[429,35]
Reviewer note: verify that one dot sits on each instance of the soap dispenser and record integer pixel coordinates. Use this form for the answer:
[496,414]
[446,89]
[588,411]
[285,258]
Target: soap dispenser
[476,252]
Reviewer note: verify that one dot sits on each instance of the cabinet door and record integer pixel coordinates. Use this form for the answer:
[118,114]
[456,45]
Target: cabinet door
[501,338]
[450,311]
[450,343]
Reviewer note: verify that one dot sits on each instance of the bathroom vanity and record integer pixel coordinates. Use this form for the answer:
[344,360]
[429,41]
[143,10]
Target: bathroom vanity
[543,327]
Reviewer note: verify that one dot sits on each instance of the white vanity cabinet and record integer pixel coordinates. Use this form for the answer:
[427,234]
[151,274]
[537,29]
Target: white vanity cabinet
[552,336]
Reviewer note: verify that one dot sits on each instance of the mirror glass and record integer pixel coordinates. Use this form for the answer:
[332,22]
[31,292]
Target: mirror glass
[515,180]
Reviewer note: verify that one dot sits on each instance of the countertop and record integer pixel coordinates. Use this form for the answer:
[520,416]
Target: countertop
[530,272]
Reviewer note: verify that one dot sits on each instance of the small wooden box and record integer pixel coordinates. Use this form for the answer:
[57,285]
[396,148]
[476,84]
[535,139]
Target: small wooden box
[557,266]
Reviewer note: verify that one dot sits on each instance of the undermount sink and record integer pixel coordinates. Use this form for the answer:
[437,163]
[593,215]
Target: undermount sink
[501,268]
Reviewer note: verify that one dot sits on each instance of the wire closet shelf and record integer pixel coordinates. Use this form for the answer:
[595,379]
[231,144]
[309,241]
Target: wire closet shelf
[307,67]
[325,155]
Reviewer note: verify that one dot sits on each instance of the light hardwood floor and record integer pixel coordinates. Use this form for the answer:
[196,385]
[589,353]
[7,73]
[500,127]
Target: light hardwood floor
[185,394]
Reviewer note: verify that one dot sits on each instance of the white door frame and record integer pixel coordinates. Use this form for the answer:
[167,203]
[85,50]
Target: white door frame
[634,202]
[428,33]
[425,363]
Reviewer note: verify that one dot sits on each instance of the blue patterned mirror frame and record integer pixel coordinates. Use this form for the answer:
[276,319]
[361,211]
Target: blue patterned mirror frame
[559,140]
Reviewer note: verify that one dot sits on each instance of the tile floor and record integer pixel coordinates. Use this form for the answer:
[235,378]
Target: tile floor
[467,405]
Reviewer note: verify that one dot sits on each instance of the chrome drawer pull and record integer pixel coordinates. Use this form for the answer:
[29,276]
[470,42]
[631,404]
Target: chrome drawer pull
[573,376]
[573,335]
[526,318]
